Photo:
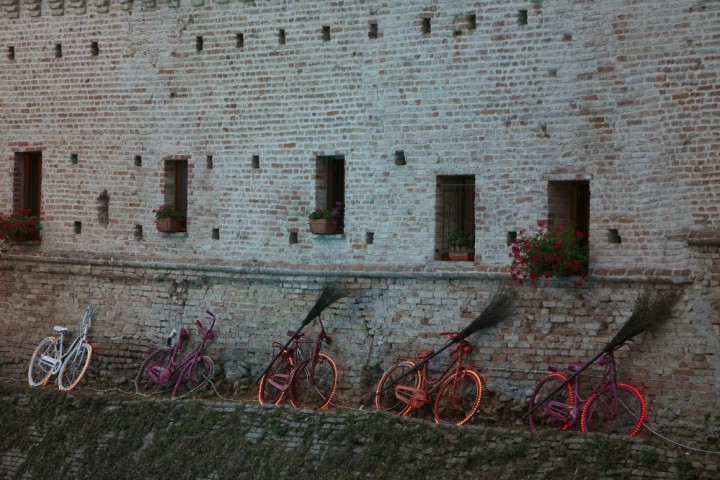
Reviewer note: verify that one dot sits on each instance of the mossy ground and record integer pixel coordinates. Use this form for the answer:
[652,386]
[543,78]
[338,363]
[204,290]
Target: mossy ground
[85,434]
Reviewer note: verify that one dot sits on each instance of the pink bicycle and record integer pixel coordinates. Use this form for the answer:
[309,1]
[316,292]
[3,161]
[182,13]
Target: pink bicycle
[457,390]
[310,383]
[611,407]
[163,369]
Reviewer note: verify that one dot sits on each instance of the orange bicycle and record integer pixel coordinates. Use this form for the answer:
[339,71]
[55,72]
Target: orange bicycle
[407,385]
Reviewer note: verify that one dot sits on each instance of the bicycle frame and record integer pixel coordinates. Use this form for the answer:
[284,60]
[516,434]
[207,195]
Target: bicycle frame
[296,355]
[55,362]
[421,395]
[163,376]
[569,415]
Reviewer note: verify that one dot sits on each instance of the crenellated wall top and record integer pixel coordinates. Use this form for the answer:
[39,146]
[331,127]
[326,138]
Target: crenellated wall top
[15,9]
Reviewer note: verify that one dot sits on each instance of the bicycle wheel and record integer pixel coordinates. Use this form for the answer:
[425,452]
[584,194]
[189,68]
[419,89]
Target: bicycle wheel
[623,417]
[555,413]
[313,383]
[385,398]
[39,370]
[74,367]
[195,376]
[274,383]
[458,398]
[144,385]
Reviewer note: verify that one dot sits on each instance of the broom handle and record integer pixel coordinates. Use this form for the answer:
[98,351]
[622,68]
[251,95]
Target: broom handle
[417,366]
[569,379]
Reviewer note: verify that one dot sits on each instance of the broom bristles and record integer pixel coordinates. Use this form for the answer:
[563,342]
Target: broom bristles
[331,292]
[501,306]
[651,310]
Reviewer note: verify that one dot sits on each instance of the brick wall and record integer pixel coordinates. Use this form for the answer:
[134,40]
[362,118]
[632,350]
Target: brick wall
[623,94]
[387,316]
[584,91]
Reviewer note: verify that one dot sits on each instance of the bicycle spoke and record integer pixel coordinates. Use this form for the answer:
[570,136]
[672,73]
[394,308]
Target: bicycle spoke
[40,370]
[621,412]
[144,383]
[313,383]
[276,381]
[458,398]
[195,376]
[386,398]
[74,367]
[556,412]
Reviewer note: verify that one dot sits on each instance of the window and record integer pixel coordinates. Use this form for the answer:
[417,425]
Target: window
[455,212]
[330,182]
[176,187]
[569,206]
[26,185]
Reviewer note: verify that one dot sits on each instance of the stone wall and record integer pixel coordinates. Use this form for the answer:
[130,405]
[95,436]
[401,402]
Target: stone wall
[46,433]
[388,315]
[622,94]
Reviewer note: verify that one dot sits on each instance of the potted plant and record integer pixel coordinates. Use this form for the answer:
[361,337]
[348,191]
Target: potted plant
[548,253]
[167,219]
[18,227]
[462,246]
[328,221]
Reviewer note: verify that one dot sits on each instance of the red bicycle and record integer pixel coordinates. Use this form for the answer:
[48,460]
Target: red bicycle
[310,383]
[457,390]
[163,369]
[611,407]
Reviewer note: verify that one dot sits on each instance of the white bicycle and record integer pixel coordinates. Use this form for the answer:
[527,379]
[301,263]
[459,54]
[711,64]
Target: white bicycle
[50,359]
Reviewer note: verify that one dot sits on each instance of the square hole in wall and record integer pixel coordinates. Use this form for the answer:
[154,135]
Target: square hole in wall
[138,160]
[369,238]
[281,36]
[216,234]
[567,37]
[77,227]
[256,161]
[74,158]
[209,162]
[58,50]
[199,43]
[522,18]
[425,26]
[326,33]
[472,21]
[511,237]
[614,236]
[293,237]
[94,49]
[400,158]
[240,40]
[138,232]
[11,53]
[373,32]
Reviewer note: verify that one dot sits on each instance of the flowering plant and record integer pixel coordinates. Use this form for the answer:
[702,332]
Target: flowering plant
[335,215]
[166,211]
[18,226]
[548,253]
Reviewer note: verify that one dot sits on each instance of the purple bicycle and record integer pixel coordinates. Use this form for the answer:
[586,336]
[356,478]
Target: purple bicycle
[186,375]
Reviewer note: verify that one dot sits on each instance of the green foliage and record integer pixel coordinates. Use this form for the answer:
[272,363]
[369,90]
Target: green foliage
[166,211]
[462,239]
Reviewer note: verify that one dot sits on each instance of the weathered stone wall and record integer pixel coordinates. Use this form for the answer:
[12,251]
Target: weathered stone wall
[50,433]
[389,315]
[622,93]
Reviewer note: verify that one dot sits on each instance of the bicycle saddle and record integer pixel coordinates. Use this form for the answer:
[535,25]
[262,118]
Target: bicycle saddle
[575,367]
[290,333]
[60,329]
[425,353]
